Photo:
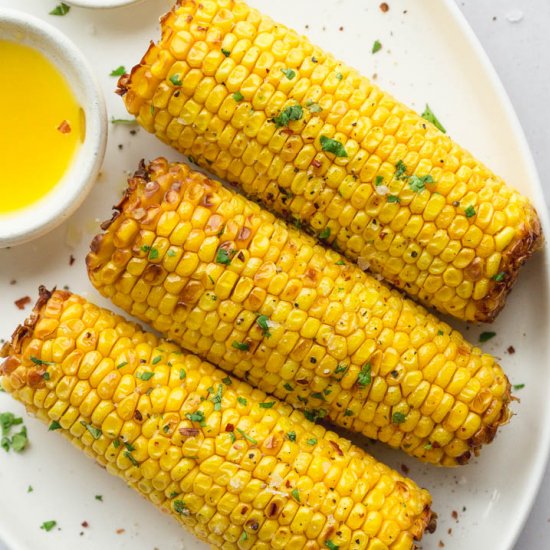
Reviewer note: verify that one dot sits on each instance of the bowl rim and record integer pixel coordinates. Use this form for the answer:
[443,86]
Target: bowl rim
[68,194]
[101,4]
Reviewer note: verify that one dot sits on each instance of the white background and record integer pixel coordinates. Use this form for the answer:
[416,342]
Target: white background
[520,52]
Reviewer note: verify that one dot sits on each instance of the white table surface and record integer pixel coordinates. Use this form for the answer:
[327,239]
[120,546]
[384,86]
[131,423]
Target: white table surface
[520,52]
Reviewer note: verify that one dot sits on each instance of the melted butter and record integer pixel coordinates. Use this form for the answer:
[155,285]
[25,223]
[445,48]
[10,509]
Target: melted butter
[41,126]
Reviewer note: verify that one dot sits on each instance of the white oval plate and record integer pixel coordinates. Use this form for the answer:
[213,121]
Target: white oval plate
[428,55]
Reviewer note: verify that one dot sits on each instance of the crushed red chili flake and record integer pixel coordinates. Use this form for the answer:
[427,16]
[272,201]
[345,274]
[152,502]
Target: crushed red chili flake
[441,544]
[189,432]
[230,428]
[138,416]
[336,448]
[85,524]
[384,7]
[316,163]
[405,469]
[511,350]
[64,127]
[454,514]
[71,259]
[120,531]
[22,302]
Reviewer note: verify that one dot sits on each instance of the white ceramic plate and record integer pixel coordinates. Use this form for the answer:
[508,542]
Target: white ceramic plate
[101,3]
[428,55]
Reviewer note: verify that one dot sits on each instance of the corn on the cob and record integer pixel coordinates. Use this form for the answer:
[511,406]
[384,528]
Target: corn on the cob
[319,144]
[237,468]
[226,280]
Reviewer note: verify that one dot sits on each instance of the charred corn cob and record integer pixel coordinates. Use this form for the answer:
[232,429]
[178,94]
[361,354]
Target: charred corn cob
[238,468]
[226,280]
[319,144]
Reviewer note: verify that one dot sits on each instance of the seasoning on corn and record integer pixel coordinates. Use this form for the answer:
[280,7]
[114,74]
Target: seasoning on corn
[346,163]
[256,297]
[229,473]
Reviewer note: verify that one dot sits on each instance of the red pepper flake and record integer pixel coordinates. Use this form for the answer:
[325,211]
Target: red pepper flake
[71,259]
[441,544]
[64,127]
[454,515]
[120,531]
[138,416]
[22,302]
[511,350]
[384,8]
[230,428]
[316,163]
[336,448]
[85,524]
[341,29]
[189,432]
[405,469]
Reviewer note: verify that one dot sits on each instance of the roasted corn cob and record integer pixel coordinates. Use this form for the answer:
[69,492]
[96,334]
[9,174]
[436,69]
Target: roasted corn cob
[237,468]
[226,280]
[319,144]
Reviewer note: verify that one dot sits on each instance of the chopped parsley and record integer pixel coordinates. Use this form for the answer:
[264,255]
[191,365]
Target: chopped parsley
[38,361]
[333,146]
[348,412]
[153,254]
[377,46]
[364,378]
[517,387]
[171,253]
[339,76]
[96,432]
[30,489]
[289,73]
[428,115]
[379,180]
[340,368]
[325,234]
[119,71]
[267,405]
[398,418]
[237,96]
[197,416]
[179,506]
[313,107]
[340,262]
[291,436]
[129,121]
[440,333]
[418,183]
[393,198]
[288,114]
[156,360]
[129,446]
[244,536]
[116,443]
[288,387]
[99,497]
[225,52]
[123,364]
[314,415]
[499,277]
[183,374]
[247,437]
[227,381]
[296,494]
[318,395]
[145,376]
[241,346]
[312,441]
[485,336]
[48,525]
[224,257]
[55,425]
[61,9]
[46,376]
[400,170]
[217,398]
[470,211]
[262,321]
[242,401]
[331,546]
[175,79]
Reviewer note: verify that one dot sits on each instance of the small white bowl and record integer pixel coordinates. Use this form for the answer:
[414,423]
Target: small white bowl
[69,193]
[101,3]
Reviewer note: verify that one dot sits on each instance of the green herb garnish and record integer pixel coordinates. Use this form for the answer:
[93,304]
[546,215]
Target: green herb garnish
[242,401]
[247,437]
[262,321]
[291,436]
[313,107]
[119,71]
[225,52]
[331,546]
[393,198]
[175,79]
[96,432]
[485,336]
[364,378]
[296,494]
[145,376]
[398,418]
[325,233]
[400,170]
[48,525]
[197,416]
[288,114]
[241,346]
[428,114]
[499,277]
[238,97]
[289,73]
[61,9]
[223,256]
[179,506]
[55,425]
[517,387]
[418,183]
[470,211]
[333,146]
[123,364]
[377,46]
[267,405]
